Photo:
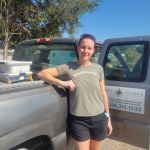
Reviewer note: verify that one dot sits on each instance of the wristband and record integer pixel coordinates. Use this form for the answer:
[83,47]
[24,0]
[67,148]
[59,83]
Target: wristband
[107,115]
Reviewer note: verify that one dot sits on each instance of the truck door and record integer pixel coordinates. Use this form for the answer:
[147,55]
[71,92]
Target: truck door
[128,87]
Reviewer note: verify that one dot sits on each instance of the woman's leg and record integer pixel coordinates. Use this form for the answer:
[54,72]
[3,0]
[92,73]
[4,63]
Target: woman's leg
[98,131]
[95,145]
[70,145]
[79,131]
[85,145]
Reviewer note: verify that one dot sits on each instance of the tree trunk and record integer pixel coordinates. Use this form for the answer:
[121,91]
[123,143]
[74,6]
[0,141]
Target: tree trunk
[6,45]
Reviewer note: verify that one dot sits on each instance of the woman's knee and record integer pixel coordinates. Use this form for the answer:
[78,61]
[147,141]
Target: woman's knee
[95,145]
[84,145]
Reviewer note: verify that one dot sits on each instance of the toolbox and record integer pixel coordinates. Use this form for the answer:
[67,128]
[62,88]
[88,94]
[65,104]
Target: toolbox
[14,71]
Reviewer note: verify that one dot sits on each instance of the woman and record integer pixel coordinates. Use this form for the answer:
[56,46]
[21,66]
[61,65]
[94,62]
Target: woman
[89,120]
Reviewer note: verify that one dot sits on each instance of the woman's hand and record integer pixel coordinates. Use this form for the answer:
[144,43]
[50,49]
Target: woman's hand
[68,84]
[109,130]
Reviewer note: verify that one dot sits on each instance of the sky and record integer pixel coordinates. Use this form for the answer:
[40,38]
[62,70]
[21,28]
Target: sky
[117,18]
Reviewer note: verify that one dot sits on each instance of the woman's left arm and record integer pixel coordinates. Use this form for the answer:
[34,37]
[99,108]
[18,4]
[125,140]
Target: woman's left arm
[106,105]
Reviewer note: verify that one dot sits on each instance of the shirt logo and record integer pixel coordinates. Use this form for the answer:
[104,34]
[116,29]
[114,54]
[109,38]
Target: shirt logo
[85,72]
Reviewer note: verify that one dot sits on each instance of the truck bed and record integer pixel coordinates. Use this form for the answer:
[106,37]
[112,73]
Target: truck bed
[19,86]
[28,110]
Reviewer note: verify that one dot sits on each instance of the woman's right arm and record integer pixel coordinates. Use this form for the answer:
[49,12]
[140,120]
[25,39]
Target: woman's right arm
[49,75]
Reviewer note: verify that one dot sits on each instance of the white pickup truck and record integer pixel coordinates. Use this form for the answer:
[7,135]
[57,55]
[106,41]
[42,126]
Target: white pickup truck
[33,114]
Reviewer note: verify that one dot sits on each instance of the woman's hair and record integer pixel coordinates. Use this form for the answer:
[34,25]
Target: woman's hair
[87,36]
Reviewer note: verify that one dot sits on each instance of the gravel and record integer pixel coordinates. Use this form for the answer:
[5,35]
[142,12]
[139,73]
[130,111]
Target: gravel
[111,144]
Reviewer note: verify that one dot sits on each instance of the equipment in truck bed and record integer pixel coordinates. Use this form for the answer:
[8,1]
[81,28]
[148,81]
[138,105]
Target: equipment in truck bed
[14,71]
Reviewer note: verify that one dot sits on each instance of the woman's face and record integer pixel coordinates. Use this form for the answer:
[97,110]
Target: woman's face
[86,49]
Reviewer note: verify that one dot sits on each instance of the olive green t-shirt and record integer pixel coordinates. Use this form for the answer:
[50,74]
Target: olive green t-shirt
[86,98]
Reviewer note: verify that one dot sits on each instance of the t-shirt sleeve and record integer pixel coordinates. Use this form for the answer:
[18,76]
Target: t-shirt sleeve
[101,73]
[62,69]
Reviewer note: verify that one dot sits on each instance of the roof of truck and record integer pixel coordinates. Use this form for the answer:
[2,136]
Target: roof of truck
[126,39]
[52,40]
[48,40]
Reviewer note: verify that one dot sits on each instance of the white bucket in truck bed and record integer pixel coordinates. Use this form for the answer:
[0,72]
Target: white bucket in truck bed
[10,66]
[13,71]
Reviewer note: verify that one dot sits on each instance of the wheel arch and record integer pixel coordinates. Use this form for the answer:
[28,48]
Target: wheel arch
[42,141]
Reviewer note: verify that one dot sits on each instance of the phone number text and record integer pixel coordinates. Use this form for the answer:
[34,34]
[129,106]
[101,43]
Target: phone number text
[124,107]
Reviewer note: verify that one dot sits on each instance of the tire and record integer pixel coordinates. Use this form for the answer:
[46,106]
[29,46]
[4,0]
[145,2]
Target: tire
[39,143]
[22,149]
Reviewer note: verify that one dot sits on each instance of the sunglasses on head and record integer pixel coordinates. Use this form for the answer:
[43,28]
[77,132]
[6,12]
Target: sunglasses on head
[88,36]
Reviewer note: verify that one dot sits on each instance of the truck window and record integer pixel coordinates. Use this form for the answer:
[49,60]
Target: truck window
[95,56]
[58,57]
[42,55]
[126,62]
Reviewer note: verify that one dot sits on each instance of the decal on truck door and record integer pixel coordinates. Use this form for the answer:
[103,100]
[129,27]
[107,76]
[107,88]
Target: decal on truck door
[126,99]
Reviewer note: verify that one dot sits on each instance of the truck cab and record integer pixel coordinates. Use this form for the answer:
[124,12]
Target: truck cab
[127,73]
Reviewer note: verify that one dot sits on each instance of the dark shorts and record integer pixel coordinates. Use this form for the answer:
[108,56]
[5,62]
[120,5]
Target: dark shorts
[84,128]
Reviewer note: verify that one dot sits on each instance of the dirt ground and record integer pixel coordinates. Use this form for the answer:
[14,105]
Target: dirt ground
[110,144]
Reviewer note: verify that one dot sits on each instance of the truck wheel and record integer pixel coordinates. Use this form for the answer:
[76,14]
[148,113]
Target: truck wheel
[38,143]
[22,149]
[34,147]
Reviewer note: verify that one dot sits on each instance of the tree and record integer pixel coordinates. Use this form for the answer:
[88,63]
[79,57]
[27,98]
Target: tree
[22,19]
[12,21]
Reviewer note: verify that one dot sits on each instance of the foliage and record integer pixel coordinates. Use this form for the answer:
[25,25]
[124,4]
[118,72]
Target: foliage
[22,19]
